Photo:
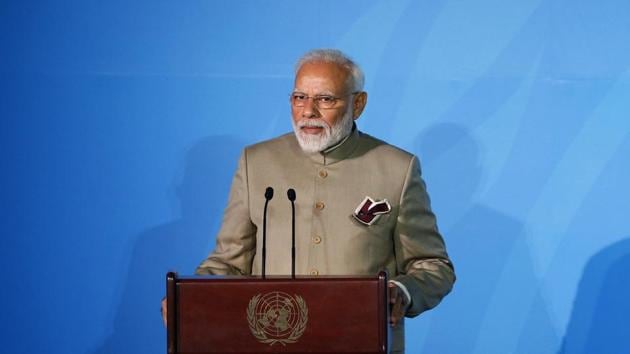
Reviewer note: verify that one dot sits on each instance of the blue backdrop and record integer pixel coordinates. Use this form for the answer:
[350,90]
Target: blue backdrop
[121,123]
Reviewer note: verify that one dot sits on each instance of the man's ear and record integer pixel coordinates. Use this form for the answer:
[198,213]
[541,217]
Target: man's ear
[358,104]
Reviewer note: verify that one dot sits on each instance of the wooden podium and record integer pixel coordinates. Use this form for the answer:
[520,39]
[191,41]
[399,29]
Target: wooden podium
[277,314]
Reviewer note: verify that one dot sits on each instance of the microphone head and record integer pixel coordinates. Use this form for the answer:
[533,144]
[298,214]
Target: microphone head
[291,194]
[269,193]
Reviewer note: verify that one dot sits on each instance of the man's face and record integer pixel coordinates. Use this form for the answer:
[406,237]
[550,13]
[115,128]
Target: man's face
[318,127]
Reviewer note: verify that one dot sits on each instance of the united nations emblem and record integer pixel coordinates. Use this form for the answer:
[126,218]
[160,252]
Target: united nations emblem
[277,317]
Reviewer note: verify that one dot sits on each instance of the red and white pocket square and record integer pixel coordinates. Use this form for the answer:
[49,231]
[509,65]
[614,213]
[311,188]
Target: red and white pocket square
[370,210]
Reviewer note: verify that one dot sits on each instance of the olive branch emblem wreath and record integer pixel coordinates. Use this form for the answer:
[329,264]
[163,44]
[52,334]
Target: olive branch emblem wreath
[277,317]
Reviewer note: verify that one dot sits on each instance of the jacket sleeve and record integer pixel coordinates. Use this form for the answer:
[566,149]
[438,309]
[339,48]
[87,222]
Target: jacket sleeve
[422,263]
[236,242]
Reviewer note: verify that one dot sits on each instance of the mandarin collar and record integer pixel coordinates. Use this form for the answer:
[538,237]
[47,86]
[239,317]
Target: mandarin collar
[339,151]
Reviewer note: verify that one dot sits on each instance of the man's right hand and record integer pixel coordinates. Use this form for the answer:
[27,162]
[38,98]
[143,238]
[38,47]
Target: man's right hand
[163,310]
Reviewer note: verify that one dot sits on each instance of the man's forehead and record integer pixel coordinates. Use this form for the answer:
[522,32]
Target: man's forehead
[317,85]
[326,76]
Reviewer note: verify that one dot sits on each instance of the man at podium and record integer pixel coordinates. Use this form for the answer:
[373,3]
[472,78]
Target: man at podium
[361,204]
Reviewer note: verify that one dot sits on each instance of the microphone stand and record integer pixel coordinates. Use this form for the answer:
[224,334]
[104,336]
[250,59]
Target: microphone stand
[291,195]
[268,196]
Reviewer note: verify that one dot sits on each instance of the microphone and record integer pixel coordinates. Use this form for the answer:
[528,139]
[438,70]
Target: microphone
[269,193]
[268,196]
[291,195]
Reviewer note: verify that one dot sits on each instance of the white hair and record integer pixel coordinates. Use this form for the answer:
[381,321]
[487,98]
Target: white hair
[356,79]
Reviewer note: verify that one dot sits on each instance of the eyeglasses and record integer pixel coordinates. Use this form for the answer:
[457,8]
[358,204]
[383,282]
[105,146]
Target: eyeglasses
[299,99]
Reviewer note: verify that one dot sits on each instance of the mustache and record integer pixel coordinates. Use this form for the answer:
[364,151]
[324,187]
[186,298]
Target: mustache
[312,123]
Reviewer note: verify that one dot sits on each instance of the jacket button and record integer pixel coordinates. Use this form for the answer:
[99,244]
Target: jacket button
[319,205]
[314,271]
[323,173]
[317,239]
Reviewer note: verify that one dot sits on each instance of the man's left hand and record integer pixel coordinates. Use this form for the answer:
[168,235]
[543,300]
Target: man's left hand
[397,303]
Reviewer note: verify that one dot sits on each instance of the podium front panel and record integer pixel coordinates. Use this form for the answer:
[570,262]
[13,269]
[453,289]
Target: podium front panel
[279,315]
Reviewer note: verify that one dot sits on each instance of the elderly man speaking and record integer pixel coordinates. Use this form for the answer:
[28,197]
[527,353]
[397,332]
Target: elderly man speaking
[362,205]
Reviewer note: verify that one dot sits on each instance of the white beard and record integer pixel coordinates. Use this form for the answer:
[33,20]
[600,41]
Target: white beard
[330,135]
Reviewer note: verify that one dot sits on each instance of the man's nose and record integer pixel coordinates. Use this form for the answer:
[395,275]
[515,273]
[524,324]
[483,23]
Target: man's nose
[310,109]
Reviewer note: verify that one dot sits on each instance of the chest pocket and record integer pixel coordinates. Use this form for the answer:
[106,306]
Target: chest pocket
[381,228]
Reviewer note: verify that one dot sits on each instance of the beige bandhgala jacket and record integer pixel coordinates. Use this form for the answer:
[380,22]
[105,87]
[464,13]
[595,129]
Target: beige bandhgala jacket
[329,240]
